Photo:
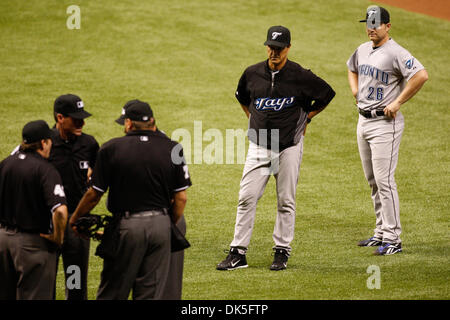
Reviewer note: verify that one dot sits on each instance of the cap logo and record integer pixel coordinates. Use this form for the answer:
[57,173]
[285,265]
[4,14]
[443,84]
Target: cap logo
[373,17]
[80,104]
[370,13]
[276,35]
[123,111]
[144,118]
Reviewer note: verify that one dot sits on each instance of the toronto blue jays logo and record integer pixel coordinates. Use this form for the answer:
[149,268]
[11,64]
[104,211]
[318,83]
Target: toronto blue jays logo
[275,104]
[409,64]
[275,35]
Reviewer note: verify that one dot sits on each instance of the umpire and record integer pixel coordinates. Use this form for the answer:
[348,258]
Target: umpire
[174,283]
[73,154]
[33,215]
[142,177]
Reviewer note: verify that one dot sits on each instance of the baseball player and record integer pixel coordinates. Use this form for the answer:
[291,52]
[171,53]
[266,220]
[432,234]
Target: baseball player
[279,97]
[33,216]
[382,76]
[73,154]
[142,178]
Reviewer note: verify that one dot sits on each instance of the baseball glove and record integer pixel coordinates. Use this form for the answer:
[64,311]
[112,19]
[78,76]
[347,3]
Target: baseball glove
[90,224]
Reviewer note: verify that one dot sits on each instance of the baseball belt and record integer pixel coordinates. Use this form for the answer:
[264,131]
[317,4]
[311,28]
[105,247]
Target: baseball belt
[141,214]
[371,114]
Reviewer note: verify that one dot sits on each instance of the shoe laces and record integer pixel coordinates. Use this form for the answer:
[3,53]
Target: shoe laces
[233,253]
[280,252]
[384,246]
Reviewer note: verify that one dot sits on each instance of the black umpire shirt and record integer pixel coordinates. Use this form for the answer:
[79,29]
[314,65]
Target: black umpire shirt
[281,100]
[139,172]
[30,190]
[72,159]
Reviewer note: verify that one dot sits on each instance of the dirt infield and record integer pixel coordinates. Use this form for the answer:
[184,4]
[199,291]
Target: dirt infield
[435,8]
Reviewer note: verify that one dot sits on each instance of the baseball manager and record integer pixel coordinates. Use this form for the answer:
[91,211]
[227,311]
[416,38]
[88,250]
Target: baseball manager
[279,97]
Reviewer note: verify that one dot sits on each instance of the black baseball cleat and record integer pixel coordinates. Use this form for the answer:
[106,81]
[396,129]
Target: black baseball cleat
[371,242]
[235,260]
[387,249]
[280,260]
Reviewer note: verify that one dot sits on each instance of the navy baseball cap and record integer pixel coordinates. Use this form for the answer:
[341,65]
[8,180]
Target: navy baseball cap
[70,105]
[35,131]
[375,16]
[135,110]
[278,36]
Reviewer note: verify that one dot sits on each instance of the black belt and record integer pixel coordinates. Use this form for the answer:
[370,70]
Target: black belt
[141,214]
[371,114]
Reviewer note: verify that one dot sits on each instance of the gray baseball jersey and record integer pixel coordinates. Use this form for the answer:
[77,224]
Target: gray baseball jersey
[382,73]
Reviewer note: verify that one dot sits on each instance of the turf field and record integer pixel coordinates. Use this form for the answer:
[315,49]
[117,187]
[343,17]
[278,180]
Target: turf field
[185,58]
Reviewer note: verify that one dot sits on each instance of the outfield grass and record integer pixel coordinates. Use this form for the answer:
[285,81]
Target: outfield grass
[185,58]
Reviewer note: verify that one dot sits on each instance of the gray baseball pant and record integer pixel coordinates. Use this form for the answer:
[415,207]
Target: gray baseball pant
[142,260]
[27,266]
[260,164]
[379,143]
[174,283]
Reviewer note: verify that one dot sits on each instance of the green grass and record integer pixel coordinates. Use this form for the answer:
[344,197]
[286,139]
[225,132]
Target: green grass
[185,59]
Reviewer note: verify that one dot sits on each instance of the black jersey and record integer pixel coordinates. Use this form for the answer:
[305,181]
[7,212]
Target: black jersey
[139,172]
[281,100]
[72,159]
[30,189]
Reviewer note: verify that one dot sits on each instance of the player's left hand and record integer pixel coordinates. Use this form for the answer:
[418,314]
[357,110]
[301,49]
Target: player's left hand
[391,109]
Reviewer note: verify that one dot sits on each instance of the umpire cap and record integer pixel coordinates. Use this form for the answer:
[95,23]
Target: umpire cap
[135,110]
[35,131]
[70,105]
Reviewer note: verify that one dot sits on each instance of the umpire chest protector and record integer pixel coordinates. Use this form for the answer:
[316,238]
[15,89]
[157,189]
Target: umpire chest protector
[281,99]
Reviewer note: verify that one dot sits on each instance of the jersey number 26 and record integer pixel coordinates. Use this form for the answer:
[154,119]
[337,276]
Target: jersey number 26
[375,93]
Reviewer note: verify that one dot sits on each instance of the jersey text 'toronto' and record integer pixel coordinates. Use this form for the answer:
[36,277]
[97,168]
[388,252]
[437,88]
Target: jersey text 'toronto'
[375,73]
